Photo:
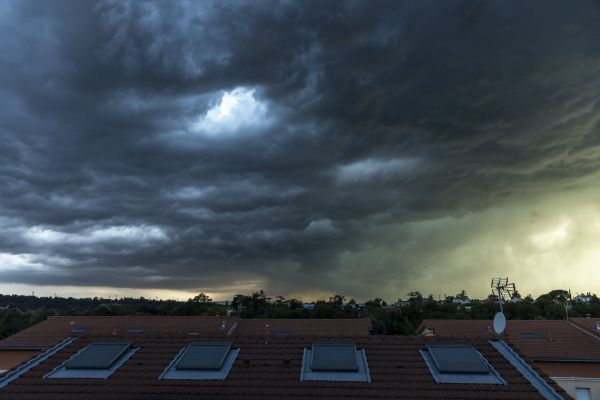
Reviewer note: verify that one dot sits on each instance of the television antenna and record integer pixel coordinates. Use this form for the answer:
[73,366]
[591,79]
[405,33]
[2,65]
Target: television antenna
[505,291]
[568,304]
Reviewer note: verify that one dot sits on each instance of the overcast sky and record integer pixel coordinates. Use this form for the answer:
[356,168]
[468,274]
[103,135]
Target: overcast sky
[306,148]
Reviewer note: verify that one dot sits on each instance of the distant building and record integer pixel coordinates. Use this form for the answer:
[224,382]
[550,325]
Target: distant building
[401,303]
[308,306]
[583,298]
[463,300]
[516,299]
[357,306]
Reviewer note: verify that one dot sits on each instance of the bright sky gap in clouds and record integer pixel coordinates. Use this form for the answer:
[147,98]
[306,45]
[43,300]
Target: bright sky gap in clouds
[305,148]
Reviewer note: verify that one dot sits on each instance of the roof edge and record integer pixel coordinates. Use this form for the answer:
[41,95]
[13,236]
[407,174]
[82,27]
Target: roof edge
[11,376]
[525,369]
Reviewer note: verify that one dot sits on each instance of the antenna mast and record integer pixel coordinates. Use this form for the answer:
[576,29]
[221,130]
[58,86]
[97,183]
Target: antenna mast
[568,305]
[504,290]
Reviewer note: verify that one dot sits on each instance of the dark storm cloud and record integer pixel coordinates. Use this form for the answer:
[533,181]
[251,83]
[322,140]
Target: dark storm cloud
[356,118]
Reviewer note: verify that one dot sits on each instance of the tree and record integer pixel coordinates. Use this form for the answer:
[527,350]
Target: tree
[337,300]
[375,304]
[201,298]
[415,297]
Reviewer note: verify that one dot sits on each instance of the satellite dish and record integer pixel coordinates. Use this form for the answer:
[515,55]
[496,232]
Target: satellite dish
[499,323]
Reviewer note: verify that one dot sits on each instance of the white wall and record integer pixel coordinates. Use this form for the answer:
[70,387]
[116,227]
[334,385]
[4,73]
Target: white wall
[570,385]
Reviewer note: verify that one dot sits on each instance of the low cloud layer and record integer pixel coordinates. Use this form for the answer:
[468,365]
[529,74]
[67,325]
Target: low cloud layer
[302,147]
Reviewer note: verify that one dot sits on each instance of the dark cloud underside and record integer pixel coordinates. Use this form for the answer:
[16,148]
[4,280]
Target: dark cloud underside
[308,146]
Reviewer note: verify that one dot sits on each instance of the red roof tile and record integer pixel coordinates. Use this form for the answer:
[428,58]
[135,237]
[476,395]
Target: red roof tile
[304,327]
[268,367]
[560,340]
[589,324]
[54,329]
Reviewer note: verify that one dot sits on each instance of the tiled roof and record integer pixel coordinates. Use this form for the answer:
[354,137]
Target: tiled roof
[557,340]
[304,327]
[268,367]
[54,329]
[589,324]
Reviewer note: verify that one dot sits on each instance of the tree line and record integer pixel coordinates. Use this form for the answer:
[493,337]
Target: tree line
[402,318]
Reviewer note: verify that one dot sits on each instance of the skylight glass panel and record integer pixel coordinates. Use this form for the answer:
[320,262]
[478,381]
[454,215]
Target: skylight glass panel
[457,359]
[334,357]
[98,355]
[204,356]
[532,335]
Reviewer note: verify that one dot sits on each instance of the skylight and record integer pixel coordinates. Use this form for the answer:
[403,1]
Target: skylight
[532,335]
[98,356]
[335,361]
[204,356]
[458,363]
[98,360]
[80,329]
[334,357]
[458,359]
[202,360]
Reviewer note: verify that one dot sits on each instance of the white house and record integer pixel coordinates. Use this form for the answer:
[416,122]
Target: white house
[583,298]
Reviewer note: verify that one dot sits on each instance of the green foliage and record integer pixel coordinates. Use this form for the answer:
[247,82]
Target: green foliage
[24,311]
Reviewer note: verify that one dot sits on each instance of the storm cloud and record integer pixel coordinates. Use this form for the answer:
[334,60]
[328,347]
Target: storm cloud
[363,148]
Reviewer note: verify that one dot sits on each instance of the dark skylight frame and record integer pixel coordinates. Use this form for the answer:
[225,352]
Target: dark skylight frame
[335,362]
[330,357]
[532,335]
[204,356]
[78,329]
[98,360]
[202,361]
[99,355]
[459,363]
[457,359]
